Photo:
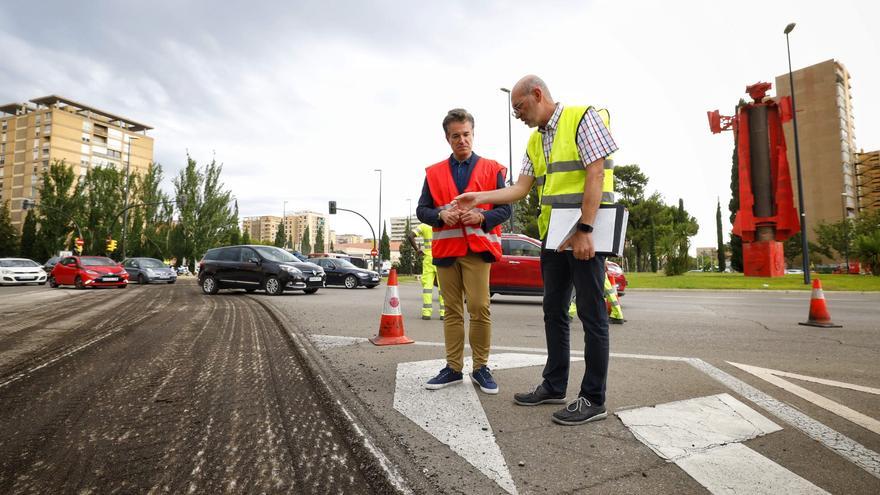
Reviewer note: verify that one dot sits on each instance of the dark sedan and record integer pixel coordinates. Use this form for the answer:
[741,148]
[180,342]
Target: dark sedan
[341,272]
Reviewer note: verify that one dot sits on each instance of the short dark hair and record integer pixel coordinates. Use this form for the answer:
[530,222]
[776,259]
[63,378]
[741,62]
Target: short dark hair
[457,115]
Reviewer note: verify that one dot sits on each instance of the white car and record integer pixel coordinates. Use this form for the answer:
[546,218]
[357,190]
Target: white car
[21,271]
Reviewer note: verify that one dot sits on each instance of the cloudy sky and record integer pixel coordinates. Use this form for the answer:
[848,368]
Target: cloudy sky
[302,100]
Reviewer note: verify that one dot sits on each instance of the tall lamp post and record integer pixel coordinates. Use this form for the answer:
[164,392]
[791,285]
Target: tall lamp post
[379,228]
[509,153]
[127,185]
[843,198]
[283,219]
[797,161]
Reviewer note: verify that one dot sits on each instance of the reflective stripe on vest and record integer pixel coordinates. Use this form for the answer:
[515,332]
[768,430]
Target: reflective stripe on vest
[458,240]
[561,182]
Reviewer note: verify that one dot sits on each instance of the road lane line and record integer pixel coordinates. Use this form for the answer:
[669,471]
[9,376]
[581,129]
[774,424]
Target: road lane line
[822,381]
[856,417]
[702,436]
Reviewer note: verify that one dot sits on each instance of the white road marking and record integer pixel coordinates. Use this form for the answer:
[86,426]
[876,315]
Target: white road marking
[735,468]
[454,415]
[844,446]
[856,417]
[832,383]
[701,436]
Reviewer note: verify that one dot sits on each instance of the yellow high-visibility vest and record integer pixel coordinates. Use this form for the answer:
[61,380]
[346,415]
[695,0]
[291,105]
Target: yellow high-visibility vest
[561,183]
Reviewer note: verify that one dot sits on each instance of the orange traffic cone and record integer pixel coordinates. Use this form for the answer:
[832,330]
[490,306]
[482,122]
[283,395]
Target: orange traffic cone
[391,325]
[819,316]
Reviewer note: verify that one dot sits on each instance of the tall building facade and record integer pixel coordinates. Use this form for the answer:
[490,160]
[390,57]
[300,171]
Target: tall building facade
[398,227]
[868,180]
[261,229]
[36,133]
[823,102]
[264,229]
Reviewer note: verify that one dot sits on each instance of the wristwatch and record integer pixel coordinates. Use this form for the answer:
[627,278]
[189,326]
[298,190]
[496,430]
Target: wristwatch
[585,227]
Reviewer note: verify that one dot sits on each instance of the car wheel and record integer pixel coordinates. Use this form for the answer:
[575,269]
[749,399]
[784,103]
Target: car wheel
[172,281]
[53,283]
[371,286]
[351,282]
[78,283]
[41,283]
[209,285]
[310,291]
[273,286]
[141,279]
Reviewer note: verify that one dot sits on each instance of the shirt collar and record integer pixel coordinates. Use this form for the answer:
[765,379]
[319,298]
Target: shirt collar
[467,162]
[554,120]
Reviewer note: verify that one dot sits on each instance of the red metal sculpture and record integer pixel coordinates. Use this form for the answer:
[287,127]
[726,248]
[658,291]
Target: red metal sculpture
[766,213]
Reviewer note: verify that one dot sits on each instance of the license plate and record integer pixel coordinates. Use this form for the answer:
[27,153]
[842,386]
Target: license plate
[314,279]
[111,279]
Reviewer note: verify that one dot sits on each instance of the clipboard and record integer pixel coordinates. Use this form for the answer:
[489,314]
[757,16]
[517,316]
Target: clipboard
[609,228]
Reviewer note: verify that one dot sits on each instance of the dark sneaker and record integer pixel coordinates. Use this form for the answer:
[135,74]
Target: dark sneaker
[447,376]
[484,379]
[579,412]
[539,396]
[616,321]
[425,317]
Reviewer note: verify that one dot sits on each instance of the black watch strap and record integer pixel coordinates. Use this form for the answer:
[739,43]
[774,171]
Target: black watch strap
[585,227]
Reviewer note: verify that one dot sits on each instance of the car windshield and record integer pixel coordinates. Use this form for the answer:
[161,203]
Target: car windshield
[17,263]
[150,263]
[275,254]
[96,261]
[343,263]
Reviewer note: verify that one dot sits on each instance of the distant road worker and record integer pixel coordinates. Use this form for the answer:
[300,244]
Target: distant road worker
[429,271]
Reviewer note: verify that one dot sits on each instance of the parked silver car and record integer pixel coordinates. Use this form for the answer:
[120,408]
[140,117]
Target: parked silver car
[21,271]
[149,270]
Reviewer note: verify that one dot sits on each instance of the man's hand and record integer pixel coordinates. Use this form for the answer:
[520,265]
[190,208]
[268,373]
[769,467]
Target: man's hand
[467,201]
[581,244]
[473,217]
[450,216]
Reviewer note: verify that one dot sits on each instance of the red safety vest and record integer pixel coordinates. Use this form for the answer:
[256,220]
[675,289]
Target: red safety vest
[459,239]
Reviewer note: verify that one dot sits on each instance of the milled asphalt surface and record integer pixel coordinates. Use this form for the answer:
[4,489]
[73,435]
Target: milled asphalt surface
[160,389]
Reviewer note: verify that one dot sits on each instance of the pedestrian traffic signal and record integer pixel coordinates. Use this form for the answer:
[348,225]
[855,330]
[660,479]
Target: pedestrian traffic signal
[333,207]
[111,245]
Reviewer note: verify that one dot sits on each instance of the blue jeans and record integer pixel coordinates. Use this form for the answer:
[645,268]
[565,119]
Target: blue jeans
[560,272]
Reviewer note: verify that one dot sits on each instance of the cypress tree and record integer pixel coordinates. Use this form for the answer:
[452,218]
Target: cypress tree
[8,234]
[721,255]
[29,236]
[306,243]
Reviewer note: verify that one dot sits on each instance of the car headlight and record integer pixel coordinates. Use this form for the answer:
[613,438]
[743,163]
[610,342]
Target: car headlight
[291,270]
[363,275]
[92,272]
[149,271]
[6,272]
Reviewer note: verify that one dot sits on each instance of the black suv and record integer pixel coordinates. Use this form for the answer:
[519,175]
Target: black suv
[257,267]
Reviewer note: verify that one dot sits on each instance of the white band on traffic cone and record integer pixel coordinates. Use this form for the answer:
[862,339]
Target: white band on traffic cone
[392,301]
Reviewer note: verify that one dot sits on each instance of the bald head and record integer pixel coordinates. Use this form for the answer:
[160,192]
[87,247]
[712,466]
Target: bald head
[532,102]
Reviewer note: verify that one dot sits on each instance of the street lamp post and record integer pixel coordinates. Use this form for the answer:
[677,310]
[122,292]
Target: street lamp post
[797,161]
[283,221]
[379,228]
[127,185]
[509,152]
[845,232]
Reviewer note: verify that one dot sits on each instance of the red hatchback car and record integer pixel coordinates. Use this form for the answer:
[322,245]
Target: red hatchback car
[519,271]
[88,271]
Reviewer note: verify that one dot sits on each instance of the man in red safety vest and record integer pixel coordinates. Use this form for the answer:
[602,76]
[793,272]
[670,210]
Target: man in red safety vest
[464,243]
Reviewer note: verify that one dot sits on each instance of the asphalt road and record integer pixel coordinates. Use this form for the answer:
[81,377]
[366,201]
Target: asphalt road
[676,347]
[160,389]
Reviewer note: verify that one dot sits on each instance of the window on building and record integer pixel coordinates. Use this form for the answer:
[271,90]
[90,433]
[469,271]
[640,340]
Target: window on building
[47,129]
[87,126]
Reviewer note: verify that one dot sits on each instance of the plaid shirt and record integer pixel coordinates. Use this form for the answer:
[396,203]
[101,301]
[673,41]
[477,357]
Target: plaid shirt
[593,140]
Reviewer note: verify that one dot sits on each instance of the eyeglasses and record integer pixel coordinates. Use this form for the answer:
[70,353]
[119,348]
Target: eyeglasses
[518,107]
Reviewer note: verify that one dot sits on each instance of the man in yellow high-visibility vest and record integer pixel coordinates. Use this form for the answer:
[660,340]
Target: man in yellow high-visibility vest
[429,271]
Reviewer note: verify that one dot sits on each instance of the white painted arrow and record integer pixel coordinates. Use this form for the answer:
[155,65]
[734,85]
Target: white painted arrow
[454,415]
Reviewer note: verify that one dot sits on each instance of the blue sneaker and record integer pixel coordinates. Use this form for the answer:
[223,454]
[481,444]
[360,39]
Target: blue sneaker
[447,376]
[484,379]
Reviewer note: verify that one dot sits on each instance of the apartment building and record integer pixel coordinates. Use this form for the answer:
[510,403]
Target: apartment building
[826,137]
[868,180]
[349,239]
[36,133]
[264,229]
[261,229]
[398,227]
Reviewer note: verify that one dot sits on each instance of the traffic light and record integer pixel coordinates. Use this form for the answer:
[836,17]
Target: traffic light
[111,245]
[333,207]
[27,204]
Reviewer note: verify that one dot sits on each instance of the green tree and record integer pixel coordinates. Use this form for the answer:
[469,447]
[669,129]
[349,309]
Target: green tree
[867,250]
[722,257]
[526,214]
[407,253]
[834,238]
[736,257]
[280,236]
[675,239]
[8,233]
[101,196]
[629,184]
[29,236]
[319,240]
[57,207]
[204,213]
[234,231]
[246,237]
[385,244]
[331,248]
[306,243]
[157,213]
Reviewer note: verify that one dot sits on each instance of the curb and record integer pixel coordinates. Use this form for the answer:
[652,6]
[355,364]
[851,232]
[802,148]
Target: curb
[346,412]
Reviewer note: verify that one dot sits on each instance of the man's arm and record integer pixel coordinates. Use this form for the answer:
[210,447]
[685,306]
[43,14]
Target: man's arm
[499,212]
[582,242]
[503,196]
[411,239]
[435,217]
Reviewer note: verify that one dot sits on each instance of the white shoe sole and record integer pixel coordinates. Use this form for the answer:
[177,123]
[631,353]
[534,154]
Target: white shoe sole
[490,391]
[575,423]
[432,386]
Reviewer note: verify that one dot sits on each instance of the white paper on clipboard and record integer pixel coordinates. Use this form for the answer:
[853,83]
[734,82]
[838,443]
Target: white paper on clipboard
[609,228]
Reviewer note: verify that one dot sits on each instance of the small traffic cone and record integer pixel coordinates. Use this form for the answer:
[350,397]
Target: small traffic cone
[391,324]
[819,316]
